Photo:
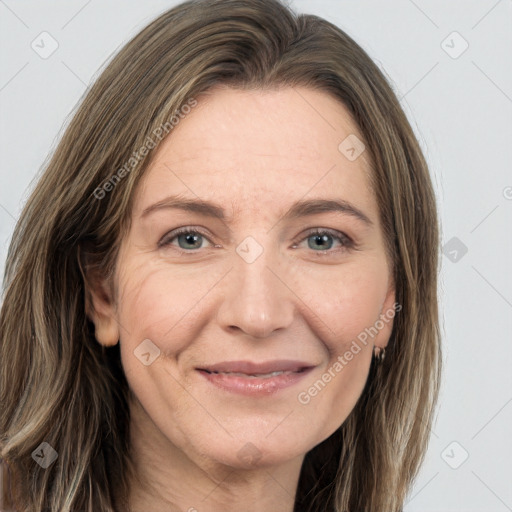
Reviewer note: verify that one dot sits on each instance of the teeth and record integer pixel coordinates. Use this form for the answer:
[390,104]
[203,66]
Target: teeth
[255,375]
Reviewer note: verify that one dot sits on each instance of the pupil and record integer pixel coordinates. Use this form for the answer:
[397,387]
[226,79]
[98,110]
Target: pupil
[322,239]
[190,238]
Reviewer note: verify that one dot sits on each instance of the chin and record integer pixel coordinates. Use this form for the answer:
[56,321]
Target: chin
[254,455]
[251,450]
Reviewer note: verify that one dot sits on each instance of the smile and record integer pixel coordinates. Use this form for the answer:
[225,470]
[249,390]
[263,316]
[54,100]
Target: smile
[248,378]
[256,375]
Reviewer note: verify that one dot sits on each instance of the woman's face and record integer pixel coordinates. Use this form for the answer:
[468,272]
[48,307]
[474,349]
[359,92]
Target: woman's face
[242,337]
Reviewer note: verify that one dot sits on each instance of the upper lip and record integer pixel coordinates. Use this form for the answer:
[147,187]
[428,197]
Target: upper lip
[250,367]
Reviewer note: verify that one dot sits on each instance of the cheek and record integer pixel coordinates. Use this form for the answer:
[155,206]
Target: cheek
[346,301]
[343,307]
[162,305]
[354,307]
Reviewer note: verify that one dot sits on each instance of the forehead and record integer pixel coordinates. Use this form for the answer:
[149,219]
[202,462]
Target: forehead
[254,149]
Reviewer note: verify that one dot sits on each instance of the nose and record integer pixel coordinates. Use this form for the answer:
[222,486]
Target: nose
[256,298]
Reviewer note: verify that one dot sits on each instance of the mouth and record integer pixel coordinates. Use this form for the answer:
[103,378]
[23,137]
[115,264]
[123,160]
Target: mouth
[251,378]
[256,375]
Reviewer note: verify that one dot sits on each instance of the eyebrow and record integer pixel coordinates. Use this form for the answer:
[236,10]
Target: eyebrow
[298,209]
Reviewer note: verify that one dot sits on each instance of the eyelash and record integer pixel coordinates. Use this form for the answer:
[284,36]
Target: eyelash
[346,242]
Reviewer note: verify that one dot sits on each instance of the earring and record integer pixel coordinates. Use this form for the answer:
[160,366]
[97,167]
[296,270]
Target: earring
[379,354]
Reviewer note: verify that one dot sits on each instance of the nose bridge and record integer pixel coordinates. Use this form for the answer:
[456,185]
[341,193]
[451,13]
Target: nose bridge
[255,301]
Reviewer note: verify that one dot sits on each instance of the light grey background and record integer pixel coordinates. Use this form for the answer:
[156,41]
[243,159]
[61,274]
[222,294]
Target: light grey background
[461,109]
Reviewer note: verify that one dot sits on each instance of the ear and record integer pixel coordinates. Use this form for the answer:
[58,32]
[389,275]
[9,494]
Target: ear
[100,307]
[388,311]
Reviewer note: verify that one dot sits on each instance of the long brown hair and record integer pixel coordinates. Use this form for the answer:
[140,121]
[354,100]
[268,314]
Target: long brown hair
[59,386]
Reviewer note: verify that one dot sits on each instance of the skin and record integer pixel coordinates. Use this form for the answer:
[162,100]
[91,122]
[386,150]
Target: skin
[300,299]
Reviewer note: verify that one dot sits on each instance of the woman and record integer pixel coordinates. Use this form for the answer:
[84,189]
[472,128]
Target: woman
[235,228]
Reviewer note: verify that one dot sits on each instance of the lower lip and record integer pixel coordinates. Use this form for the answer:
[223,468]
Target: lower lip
[254,386]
